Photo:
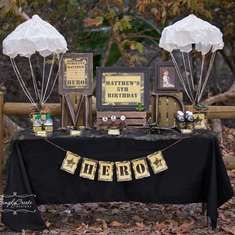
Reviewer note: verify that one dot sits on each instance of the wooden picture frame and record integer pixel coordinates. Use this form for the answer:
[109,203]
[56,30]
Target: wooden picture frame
[79,68]
[109,78]
[166,78]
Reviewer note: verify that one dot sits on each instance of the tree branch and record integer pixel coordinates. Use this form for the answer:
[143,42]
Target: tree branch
[228,61]
[150,38]
[226,96]
[107,52]
[22,14]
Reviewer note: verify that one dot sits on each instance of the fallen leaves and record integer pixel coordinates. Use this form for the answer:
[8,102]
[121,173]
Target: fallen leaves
[227,145]
[230,230]
[116,224]
[103,222]
[186,227]
[140,225]
[82,228]
[135,218]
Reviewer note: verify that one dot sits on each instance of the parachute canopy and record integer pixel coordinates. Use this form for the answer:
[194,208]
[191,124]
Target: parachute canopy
[34,35]
[191,30]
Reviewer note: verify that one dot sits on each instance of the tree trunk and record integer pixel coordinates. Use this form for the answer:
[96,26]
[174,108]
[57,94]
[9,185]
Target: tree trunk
[217,128]
[228,95]
[10,128]
[107,52]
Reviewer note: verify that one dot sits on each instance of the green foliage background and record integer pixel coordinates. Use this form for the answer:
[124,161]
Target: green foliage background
[119,29]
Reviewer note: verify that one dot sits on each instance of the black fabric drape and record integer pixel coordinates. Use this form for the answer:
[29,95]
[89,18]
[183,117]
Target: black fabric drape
[196,173]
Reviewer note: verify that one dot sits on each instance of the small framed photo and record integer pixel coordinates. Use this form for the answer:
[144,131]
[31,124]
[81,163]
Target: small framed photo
[166,77]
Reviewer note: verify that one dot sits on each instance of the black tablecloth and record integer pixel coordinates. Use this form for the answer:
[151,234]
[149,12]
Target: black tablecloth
[196,173]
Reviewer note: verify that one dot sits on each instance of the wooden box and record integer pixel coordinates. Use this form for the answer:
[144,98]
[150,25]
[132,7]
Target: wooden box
[133,119]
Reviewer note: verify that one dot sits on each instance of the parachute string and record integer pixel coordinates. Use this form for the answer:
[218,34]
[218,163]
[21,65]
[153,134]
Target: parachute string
[54,82]
[187,77]
[21,82]
[49,94]
[207,75]
[191,73]
[37,95]
[43,78]
[49,77]
[180,76]
[200,79]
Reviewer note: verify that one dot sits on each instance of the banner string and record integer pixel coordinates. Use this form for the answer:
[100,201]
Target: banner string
[55,145]
[171,145]
[162,150]
[139,166]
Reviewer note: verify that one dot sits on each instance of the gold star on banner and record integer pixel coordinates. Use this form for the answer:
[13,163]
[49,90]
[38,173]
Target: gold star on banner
[70,162]
[157,162]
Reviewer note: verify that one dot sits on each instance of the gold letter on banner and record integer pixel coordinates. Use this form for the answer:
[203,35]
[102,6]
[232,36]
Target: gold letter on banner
[157,162]
[105,172]
[88,169]
[70,162]
[140,168]
[123,171]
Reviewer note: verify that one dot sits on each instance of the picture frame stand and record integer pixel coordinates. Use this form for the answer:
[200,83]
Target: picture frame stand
[76,89]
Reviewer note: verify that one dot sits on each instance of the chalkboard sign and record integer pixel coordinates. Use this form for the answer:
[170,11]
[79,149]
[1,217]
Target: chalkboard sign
[122,89]
[76,73]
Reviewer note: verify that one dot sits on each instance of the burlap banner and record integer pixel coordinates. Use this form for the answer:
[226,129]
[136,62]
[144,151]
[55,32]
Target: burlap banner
[125,170]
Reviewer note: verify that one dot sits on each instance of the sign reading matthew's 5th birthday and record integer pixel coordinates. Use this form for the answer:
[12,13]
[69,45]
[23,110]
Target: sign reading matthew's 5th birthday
[122,88]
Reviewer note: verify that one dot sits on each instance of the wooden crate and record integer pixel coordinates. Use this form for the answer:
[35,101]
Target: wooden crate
[133,119]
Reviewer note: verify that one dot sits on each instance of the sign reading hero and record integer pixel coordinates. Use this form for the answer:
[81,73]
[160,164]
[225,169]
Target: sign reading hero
[76,73]
[121,88]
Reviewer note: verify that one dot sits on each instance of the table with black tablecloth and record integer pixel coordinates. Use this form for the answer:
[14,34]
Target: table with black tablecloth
[196,173]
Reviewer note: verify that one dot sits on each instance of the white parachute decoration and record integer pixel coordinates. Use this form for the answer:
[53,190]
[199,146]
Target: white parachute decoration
[184,36]
[36,35]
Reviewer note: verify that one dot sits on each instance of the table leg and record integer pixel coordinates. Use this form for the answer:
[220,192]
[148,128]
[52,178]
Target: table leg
[203,208]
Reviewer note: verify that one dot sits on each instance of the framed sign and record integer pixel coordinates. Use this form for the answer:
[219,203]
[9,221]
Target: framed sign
[76,73]
[166,77]
[122,89]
